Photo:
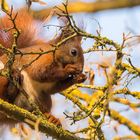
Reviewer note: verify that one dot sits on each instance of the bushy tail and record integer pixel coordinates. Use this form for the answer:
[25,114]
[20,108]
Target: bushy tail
[26,24]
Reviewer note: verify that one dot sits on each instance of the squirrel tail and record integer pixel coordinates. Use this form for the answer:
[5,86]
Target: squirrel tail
[26,24]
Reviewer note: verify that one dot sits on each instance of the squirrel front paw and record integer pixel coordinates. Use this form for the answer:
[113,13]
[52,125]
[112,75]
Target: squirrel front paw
[71,69]
[79,78]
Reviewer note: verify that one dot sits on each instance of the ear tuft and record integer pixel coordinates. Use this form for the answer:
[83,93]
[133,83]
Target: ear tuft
[63,21]
[67,30]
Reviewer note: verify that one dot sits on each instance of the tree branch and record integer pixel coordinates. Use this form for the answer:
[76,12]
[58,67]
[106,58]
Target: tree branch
[44,126]
[123,120]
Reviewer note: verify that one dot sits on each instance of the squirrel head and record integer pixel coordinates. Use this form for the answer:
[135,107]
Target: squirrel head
[70,52]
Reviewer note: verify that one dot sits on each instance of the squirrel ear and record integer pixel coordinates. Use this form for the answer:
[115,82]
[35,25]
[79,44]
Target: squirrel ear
[78,39]
[66,29]
[63,21]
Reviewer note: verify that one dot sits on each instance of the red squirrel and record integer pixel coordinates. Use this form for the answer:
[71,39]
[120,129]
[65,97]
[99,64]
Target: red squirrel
[47,75]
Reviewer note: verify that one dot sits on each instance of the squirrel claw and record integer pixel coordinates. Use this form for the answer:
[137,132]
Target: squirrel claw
[53,119]
[80,78]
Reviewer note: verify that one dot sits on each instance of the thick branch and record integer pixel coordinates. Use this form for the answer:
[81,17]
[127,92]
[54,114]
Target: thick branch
[44,126]
[122,120]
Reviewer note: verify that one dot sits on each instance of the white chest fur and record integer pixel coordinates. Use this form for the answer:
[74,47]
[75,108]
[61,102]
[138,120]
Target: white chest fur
[1,65]
[34,88]
[27,85]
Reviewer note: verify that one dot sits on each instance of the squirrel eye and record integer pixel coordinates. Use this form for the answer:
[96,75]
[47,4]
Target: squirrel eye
[73,52]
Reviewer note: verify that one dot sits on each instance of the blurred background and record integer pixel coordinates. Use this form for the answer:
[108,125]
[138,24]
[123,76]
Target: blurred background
[112,23]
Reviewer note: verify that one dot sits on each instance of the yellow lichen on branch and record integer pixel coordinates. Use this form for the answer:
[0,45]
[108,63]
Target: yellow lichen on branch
[123,120]
[22,115]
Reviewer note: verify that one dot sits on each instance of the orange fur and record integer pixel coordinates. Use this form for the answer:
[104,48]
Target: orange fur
[4,83]
[44,76]
[26,24]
